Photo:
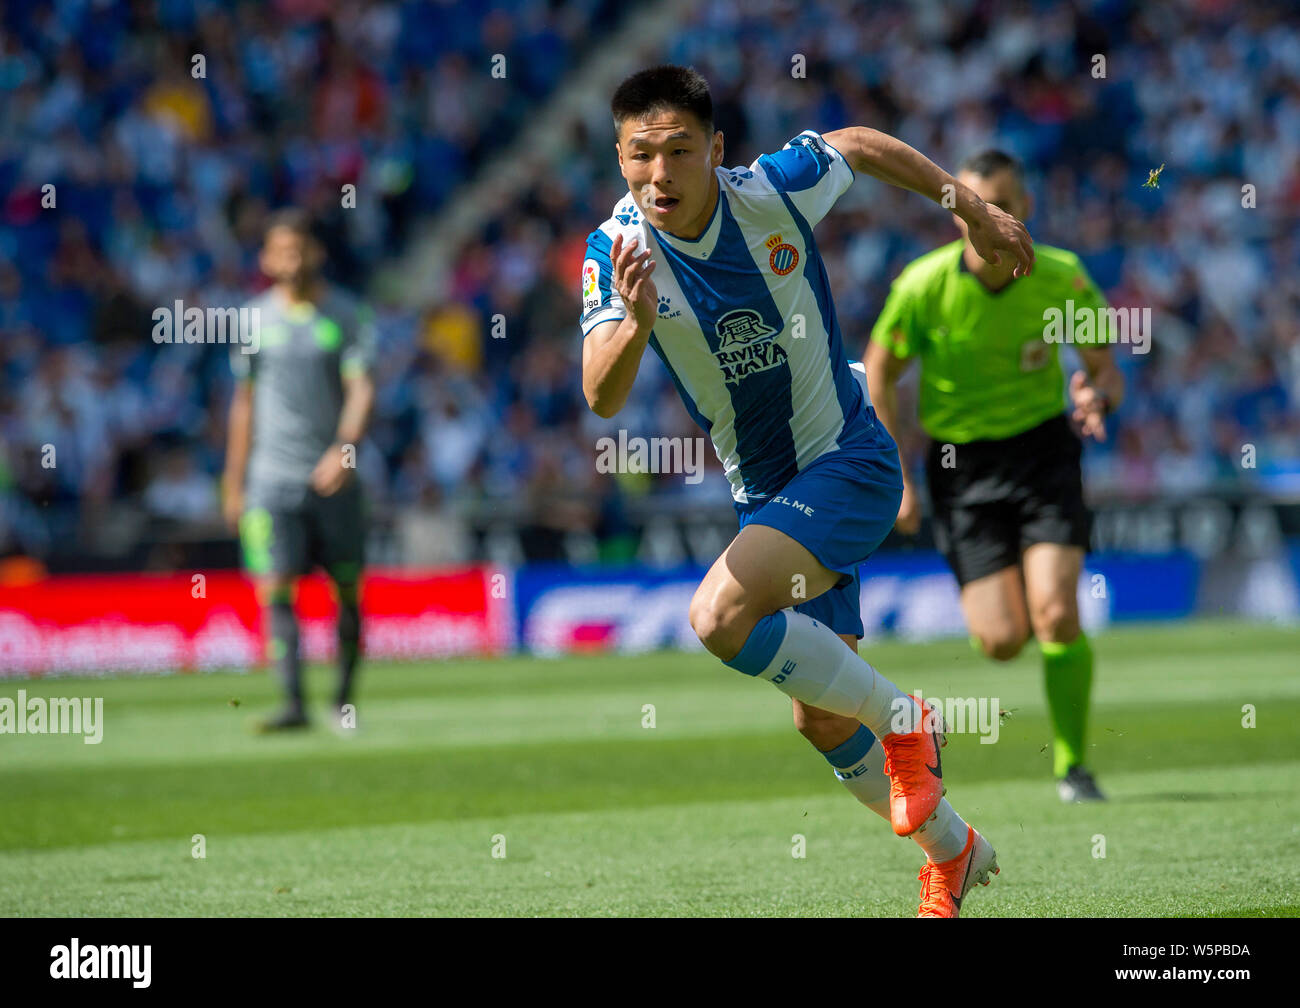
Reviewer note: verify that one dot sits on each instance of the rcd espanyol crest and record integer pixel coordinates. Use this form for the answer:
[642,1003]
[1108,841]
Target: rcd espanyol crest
[784,257]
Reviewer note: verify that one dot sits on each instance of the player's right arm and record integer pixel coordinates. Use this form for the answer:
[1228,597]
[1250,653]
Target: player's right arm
[239,438]
[612,351]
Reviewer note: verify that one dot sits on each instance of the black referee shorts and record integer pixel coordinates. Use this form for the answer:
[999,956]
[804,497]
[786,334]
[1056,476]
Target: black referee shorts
[993,499]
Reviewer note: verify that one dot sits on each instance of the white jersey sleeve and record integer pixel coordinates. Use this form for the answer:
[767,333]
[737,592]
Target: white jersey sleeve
[601,302]
[807,171]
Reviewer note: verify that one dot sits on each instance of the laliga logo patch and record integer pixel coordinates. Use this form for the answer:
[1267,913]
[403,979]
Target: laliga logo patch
[590,296]
[746,345]
[784,257]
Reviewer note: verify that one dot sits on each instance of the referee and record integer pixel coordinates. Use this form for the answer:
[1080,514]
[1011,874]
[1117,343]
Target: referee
[1003,469]
[300,408]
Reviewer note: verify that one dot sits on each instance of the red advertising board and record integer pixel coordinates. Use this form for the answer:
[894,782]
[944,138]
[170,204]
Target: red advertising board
[193,622]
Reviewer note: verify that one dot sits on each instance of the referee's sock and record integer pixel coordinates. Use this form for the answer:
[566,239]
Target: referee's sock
[284,645]
[860,766]
[1067,677]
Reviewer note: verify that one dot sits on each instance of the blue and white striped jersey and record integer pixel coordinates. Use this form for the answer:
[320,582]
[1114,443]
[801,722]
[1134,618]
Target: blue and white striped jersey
[746,326]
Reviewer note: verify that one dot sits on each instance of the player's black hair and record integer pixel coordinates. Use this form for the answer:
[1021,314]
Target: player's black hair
[295,219]
[659,88]
[991,161]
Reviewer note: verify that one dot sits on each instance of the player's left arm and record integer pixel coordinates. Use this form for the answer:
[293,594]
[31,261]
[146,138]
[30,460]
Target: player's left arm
[339,461]
[358,401]
[992,231]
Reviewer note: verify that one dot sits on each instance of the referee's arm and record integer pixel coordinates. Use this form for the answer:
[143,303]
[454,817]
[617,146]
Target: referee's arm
[1097,394]
[884,369]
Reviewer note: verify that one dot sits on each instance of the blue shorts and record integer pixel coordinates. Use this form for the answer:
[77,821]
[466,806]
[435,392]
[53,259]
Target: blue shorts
[840,508]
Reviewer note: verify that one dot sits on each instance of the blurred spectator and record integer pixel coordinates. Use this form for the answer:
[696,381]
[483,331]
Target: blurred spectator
[179,491]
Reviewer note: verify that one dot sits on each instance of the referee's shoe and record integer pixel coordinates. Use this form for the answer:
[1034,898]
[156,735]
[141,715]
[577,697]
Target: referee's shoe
[1078,786]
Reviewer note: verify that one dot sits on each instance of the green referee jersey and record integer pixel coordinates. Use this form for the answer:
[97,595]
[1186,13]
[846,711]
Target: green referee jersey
[987,372]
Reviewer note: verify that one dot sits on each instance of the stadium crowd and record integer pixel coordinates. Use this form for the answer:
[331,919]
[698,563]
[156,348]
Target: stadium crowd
[162,178]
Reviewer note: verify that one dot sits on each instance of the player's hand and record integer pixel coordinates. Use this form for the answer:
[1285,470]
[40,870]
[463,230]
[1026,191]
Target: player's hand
[330,473]
[1090,407]
[232,505]
[993,232]
[632,271]
[908,521]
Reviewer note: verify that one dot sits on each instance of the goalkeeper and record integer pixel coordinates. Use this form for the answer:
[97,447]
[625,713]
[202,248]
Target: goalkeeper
[300,408]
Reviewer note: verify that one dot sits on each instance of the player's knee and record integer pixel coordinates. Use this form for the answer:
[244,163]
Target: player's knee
[722,629]
[1057,621]
[1003,643]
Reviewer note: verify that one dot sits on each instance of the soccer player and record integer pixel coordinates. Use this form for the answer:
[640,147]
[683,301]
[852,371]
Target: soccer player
[717,271]
[300,408]
[1003,467]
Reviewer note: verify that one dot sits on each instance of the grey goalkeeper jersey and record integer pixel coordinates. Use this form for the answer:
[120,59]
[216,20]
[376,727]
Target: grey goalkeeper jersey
[301,354]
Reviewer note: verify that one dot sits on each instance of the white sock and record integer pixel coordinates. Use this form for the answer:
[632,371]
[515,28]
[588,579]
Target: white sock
[944,836]
[805,659]
[860,766]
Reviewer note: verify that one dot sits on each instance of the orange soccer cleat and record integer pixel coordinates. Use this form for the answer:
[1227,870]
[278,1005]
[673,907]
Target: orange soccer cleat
[915,771]
[944,886]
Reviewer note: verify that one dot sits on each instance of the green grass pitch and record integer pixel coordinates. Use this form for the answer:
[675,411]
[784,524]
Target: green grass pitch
[697,815]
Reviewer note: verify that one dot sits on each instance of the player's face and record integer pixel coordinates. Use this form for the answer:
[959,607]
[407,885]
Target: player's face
[1001,189]
[668,161]
[289,257]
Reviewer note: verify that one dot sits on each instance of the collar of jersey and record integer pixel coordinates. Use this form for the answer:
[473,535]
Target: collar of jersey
[963,268]
[701,247]
[297,312]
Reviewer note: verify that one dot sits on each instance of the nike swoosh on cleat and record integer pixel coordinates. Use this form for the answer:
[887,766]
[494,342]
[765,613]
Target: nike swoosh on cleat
[937,769]
[955,898]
